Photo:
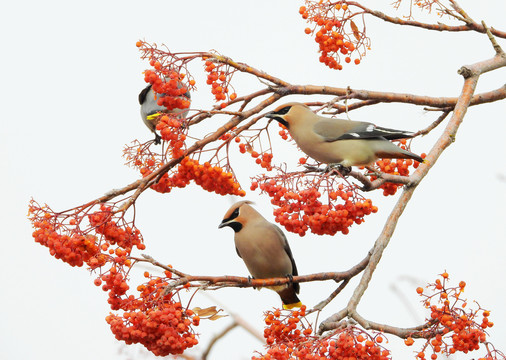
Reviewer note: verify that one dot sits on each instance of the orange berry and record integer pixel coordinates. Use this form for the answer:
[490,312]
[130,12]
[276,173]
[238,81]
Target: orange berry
[409,341]
[307,30]
[419,290]
[138,43]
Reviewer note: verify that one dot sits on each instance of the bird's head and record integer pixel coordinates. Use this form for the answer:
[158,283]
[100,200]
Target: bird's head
[288,113]
[239,215]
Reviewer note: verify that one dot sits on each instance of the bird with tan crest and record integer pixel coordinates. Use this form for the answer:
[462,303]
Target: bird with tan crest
[337,141]
[264,249]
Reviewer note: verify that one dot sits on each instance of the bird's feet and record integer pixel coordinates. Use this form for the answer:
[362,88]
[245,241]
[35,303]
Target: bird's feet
[249,281]
[342,170]
[158,139]
[290,277]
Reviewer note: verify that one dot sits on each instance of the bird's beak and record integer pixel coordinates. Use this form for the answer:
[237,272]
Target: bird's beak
[223,224]
[270,115]
[279,118]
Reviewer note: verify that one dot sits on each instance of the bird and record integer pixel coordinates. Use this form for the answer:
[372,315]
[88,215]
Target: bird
[336,141]
[150,108]
[264,249]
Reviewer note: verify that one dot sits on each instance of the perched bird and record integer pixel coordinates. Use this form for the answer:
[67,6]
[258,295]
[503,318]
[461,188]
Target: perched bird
[264,249]
[337,141]
[150,109]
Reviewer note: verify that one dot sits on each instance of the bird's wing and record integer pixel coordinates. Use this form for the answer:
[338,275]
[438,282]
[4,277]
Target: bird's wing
[286,246]
[334,130]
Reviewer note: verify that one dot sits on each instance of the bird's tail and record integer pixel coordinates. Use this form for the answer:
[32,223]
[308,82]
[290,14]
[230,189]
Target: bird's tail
[289,298]
[399,154]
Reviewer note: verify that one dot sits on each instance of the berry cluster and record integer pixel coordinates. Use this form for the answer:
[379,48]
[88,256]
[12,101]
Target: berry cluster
[154,320]
[210,178]
[172,89]
[330,28]
[395,167]
[285,326]
[263,159]
[163,331]
[116,284]
[288,338]
[453,328]
[301,209]
[73,248]
[62,233]
[219,76]
[172,130]
[125,237]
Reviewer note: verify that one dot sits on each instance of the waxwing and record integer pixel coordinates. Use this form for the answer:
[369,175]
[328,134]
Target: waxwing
[337,141]
[264,249]
[150,109]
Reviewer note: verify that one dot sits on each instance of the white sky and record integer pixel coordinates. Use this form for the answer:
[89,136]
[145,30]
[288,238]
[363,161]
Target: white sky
[70,78]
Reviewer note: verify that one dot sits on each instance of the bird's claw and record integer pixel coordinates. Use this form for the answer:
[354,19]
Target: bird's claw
[249,281]
[342,170]
[290,277]
[312,168]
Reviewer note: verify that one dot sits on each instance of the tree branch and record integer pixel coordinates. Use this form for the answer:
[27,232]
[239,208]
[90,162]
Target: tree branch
[471,74]
[470,24]
[217,337]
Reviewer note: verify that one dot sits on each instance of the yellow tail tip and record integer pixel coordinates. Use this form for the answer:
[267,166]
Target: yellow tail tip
[291,306]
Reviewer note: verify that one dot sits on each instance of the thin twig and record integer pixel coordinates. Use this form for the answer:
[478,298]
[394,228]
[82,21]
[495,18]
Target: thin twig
[432,126]
[217,337]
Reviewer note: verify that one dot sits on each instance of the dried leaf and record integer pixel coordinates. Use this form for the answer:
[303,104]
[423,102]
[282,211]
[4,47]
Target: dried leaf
[208,312]
[216,317]
[354,28]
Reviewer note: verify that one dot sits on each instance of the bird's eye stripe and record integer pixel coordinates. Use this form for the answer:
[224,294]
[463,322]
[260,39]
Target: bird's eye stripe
[232,216]
[284,110]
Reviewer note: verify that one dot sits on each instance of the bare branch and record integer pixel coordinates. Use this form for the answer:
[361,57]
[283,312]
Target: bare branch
[322,304]
[497,48]
[432,126]
[149,259]
[470,24]
[217,337]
